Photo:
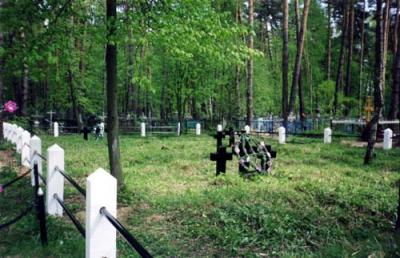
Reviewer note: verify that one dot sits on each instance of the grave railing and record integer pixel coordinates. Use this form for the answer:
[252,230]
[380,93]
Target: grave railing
[100,197]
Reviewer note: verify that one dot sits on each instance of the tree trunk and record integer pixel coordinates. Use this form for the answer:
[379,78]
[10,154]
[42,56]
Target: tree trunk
[250,45]
[385,35]
[339,76]
[361,59]
[25,89]
[299,55]
[285,60]
[347,88]
[237,68]
[1,88]
[329,44]
[74,101]
[378,98]
[112,105]
[301,90]
[394,110]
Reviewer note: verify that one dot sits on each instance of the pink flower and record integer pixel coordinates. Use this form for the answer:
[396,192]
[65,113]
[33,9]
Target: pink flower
[1,188]
[10,106]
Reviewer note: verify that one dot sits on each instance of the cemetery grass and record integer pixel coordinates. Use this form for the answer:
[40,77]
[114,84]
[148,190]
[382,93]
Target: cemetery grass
[320,201]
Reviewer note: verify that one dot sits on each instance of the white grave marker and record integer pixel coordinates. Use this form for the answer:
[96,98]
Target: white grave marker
[198,129]
[247,129]
[178,129]
[282,135]
[219,128]
[387,139]
[56,130]
[143,129]
[328,136]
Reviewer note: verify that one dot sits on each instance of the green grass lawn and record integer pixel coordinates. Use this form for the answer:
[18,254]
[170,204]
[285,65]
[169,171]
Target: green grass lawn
[321,201]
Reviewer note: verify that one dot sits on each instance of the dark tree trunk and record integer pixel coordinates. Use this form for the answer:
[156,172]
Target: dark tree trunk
[385,36]
[74,101]
[25,89]
[378,98]
[329,44]
[394,110]
[361,59]
[394,105]
[347,88]
[339,76]
[112,105]
[397,227]
[285,60]
[238,73]
[299,55]
[250,45]
[1,89]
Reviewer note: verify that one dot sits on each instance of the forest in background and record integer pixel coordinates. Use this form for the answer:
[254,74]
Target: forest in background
[198,59]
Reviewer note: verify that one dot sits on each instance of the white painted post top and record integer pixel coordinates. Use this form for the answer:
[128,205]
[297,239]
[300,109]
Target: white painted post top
[101,235]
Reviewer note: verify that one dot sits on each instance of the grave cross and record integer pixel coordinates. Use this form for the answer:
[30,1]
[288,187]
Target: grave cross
[369,108]
[221,157]
[219,136]
[51,113]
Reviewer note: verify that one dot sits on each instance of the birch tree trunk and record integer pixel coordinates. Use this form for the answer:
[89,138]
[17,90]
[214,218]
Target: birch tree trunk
[299,55]
[378,80]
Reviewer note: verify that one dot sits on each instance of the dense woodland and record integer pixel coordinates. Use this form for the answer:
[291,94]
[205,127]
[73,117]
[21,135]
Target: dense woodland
[200,59]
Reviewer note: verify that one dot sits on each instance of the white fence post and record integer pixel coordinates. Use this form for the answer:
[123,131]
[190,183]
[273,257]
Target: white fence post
[56,130]
[14,134]
[198,129]
[25,151]
[36,148]
[143,129]
[328,135]
[19,139]
[387,139]
[219,128]
[178,129]
[282,135]
[101,236]
[55,181]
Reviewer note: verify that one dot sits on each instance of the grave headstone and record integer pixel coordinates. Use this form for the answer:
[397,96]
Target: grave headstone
[247,129]
[178,129]
[56,130]
[328,135]
[387,139]
[102,128]
[198,129]
[282,135]
[219,128]
[143,129]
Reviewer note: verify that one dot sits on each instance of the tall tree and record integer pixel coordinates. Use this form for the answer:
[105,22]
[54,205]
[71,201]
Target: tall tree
[285,59]
[250,45]
[378,80]
[299,55]
[394,105]
[112,105]
[329,42]
[339,76]
[347,86]
[360,82]
[301,90]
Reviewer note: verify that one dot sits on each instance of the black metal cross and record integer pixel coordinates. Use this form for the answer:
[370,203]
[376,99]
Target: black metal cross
[219,136]
[221,157]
